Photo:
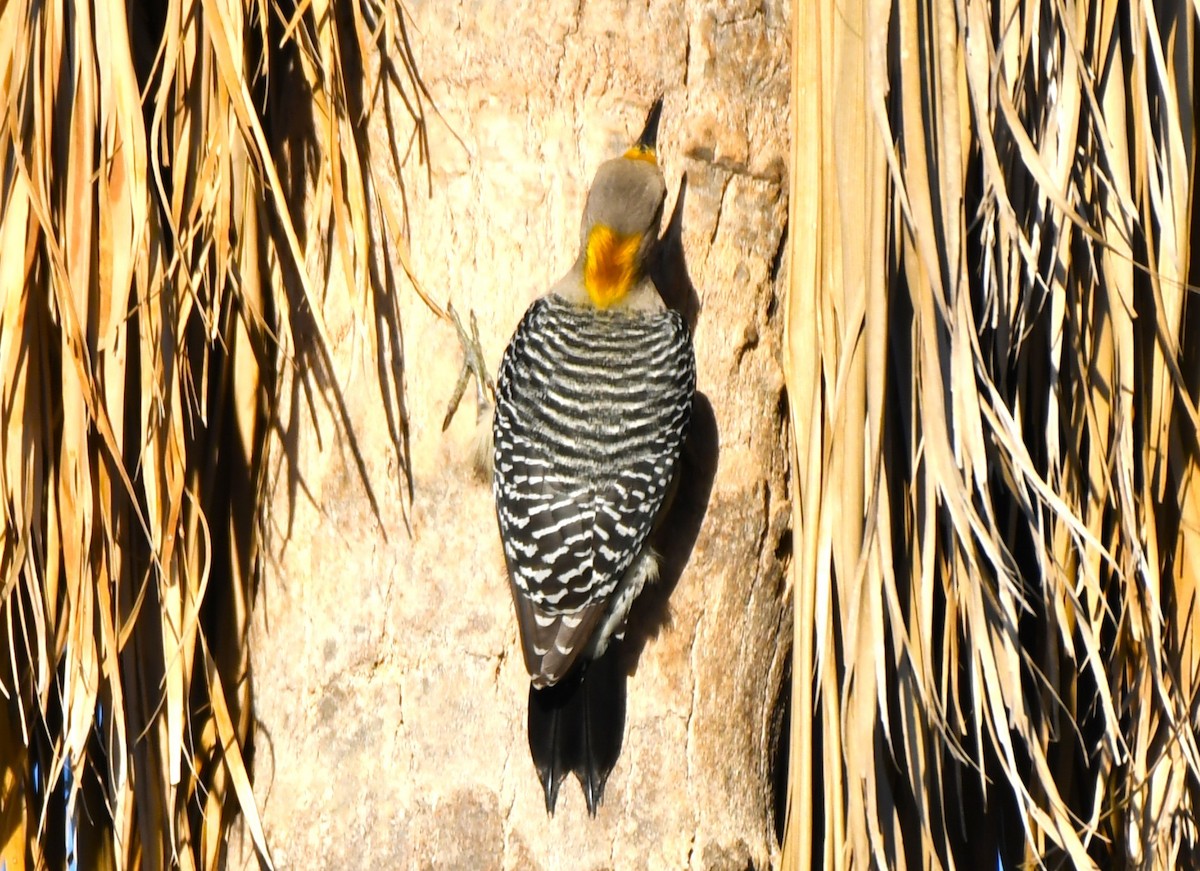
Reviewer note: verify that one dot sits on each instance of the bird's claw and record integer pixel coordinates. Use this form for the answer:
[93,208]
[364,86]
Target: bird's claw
[473,365]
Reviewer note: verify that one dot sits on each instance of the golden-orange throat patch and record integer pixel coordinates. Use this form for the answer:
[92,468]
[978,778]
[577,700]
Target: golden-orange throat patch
[641,152]
[609,264]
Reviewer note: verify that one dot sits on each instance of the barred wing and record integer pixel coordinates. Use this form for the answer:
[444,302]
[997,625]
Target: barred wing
[591,414]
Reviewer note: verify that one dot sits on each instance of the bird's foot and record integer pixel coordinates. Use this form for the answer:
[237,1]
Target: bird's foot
[473,366]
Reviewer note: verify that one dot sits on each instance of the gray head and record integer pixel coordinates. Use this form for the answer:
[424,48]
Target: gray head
[620,224]
[626,196]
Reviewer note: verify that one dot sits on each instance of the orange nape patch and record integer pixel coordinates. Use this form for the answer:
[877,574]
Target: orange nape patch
[641,152]
[609,264]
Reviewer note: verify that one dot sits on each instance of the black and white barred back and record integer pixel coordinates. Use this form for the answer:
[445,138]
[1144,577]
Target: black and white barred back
[592,409]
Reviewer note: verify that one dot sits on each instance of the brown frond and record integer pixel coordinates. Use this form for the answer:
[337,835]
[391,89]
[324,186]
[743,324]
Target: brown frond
[993,382]
[183,185]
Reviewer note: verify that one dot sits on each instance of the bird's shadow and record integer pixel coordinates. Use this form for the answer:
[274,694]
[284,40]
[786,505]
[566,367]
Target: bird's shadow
[675,537]
[669,270]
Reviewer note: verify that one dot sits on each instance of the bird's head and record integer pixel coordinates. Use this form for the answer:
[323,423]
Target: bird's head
[621,222]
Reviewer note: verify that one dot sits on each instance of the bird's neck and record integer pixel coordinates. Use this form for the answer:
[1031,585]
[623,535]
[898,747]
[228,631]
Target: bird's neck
[611,265]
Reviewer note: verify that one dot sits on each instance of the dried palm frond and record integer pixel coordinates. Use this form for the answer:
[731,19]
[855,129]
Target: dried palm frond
[170,175]
[993,376]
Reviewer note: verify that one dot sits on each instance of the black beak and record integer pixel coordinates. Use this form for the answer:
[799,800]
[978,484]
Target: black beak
[649,137]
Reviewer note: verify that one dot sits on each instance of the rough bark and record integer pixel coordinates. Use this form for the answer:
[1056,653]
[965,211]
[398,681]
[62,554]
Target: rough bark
[389,687]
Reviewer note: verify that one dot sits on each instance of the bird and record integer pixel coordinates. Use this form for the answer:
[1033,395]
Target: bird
[593,404]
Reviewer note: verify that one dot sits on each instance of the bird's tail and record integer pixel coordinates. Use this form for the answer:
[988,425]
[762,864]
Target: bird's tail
[577,726]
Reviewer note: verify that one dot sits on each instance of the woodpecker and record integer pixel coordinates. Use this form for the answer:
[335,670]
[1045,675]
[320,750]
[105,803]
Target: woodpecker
[593,403]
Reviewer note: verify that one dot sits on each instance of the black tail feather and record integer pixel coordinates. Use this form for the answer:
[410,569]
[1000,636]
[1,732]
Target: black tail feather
[602,719]
[548,716]
[578,726]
